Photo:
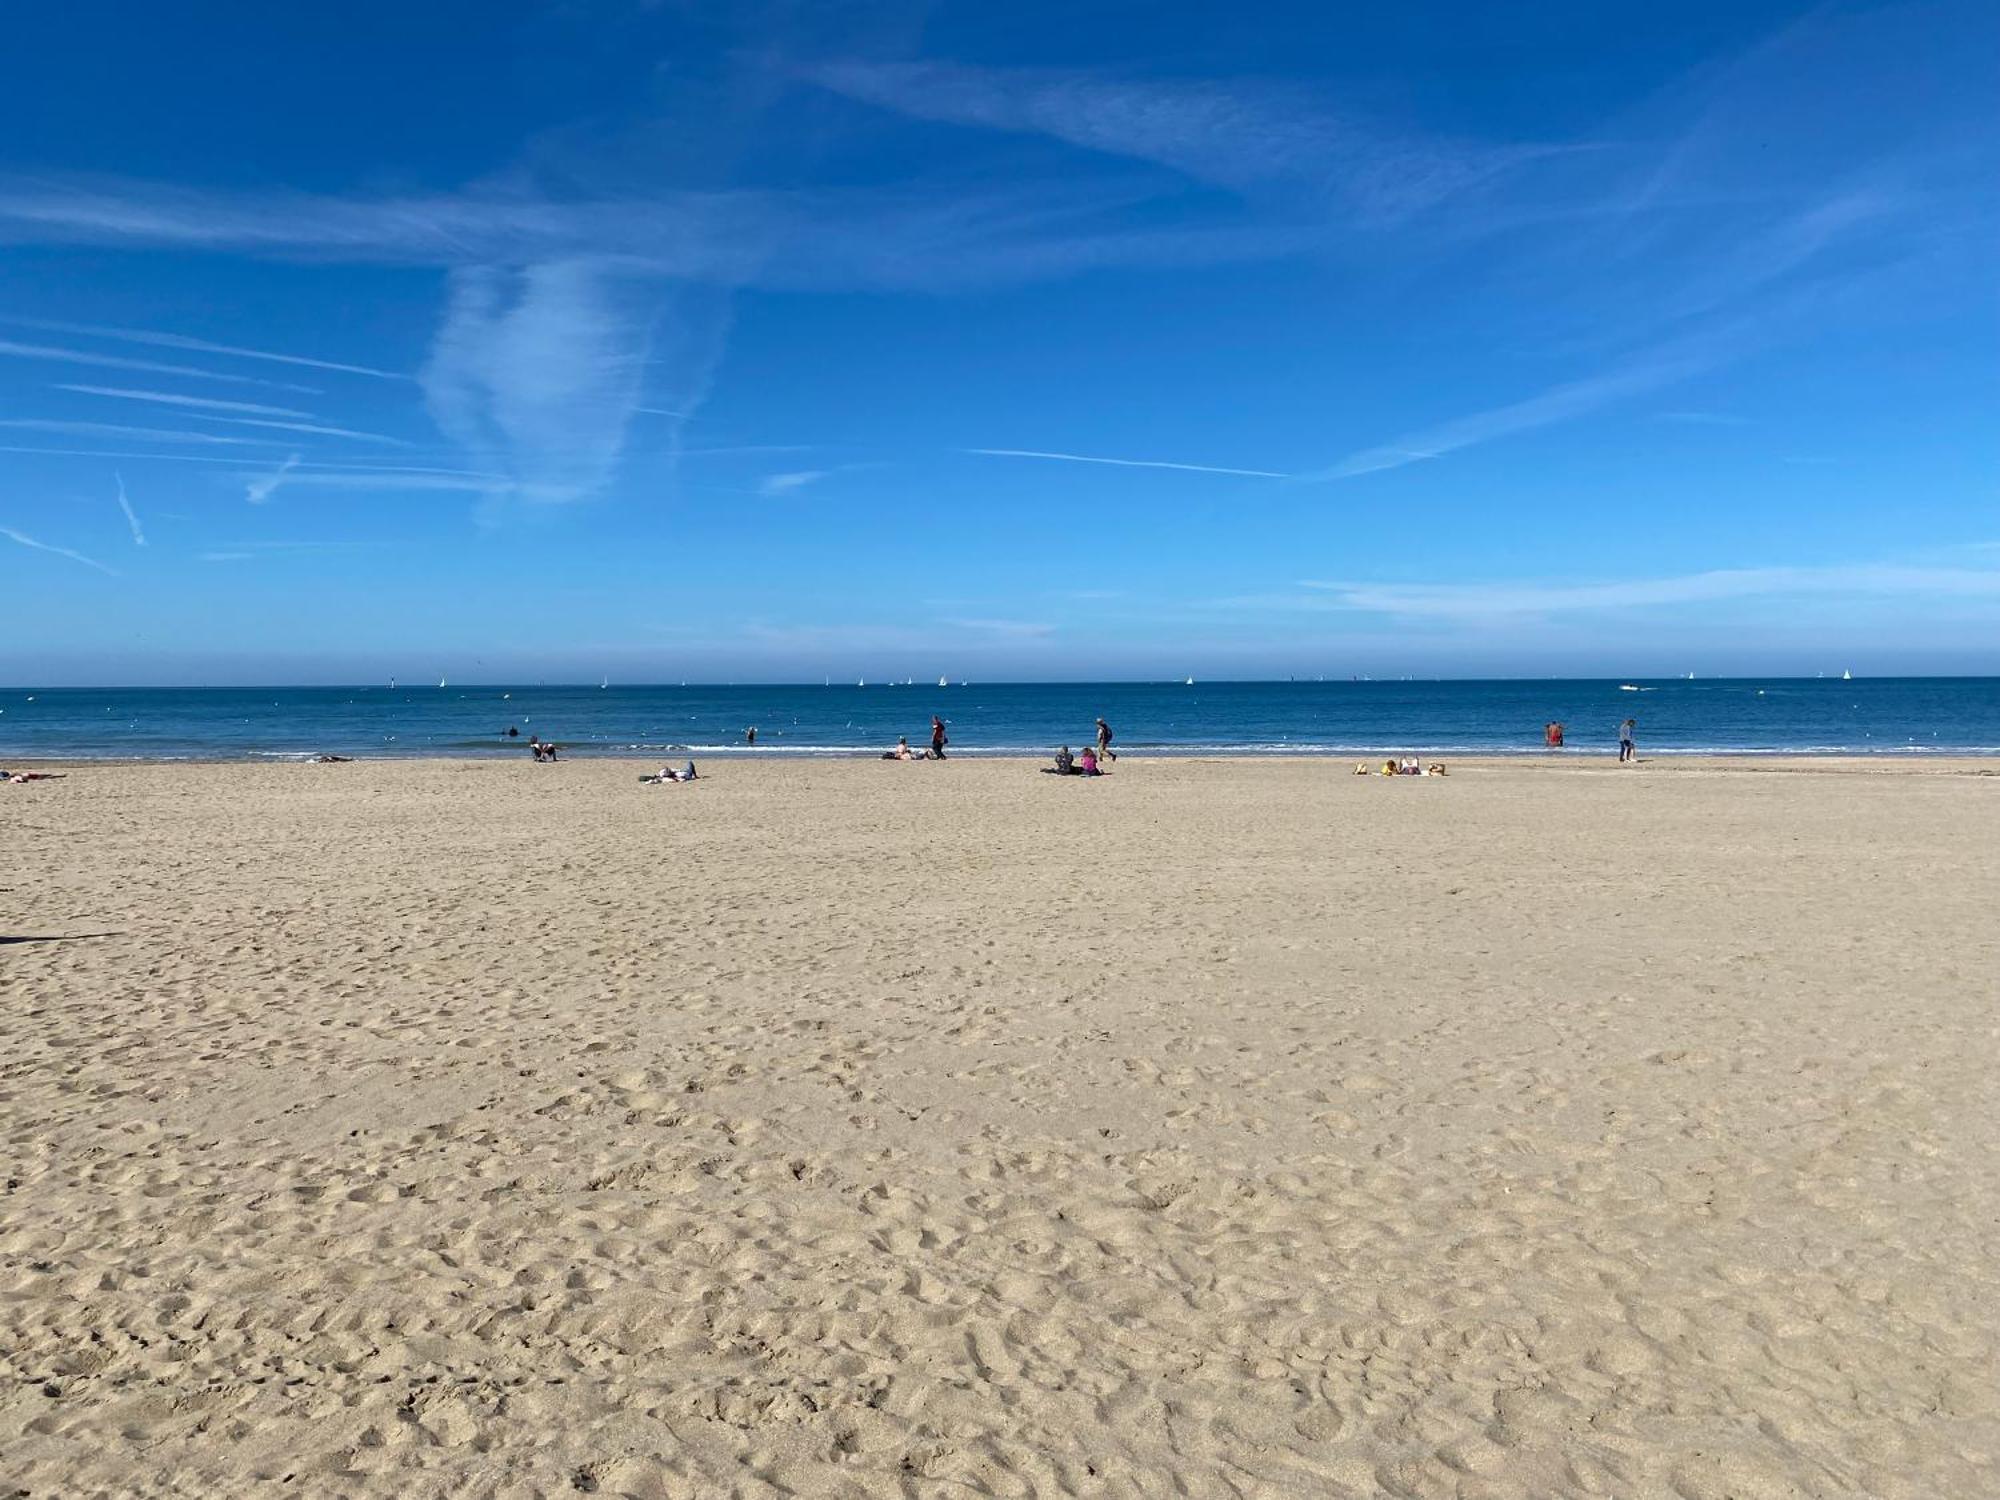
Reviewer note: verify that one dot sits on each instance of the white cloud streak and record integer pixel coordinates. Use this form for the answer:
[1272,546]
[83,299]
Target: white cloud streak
[200,403]
[1246,138]
[112,429]
[201,346]
[1122,463]
[131,516]
[263,487]
[145,366]
[1561,403]
[313,427]
[27,541]
[1484,601]
[785,484]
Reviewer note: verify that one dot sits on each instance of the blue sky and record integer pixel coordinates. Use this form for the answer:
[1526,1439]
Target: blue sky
[764,341]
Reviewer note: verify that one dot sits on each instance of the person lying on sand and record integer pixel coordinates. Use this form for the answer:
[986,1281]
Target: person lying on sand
[19,777]
[332,760]
[668,773]
[902,750]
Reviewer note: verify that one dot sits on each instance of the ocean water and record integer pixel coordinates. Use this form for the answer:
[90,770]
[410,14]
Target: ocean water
[1875,716]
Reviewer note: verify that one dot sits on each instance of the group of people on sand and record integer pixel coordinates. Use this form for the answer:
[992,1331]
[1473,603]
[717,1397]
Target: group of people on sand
[1093,762]
[1405,766]
[939,739]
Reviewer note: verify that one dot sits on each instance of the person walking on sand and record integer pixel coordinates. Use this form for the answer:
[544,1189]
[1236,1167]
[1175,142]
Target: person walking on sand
[938,738]
[1104,750]
[1628,737]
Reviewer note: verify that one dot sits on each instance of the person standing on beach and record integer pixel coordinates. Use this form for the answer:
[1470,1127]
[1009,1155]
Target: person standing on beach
[938,738]
[750,735]
[1104,750]
[1628,735]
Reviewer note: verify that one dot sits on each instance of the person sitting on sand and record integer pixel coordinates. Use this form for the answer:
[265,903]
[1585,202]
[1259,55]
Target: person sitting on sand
[1087,765]
[1388,768]
[1065,762]
[903,750]
[1409,767]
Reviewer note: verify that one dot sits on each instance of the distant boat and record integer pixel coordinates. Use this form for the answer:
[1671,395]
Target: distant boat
[1628,687]
[943,683]
[606,683]
[440,682]
[1190,682]
[392,684]
[1847,677]
[862,683]
[1690,677]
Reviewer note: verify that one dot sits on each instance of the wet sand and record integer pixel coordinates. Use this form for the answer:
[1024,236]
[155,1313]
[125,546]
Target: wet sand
[1216,1128]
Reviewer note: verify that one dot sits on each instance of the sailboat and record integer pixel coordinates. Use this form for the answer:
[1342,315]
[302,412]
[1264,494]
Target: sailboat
[1847,677]
[440,682]
[1190,682]
[943,683]
[606,683]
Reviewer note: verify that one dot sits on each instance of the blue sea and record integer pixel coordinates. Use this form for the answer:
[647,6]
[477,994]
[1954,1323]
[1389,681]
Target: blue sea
[1812,716]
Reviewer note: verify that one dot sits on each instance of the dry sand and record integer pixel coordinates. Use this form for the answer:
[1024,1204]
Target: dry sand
[1213,1129]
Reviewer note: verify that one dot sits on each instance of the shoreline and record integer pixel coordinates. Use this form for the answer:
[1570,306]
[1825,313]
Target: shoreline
[1932,762]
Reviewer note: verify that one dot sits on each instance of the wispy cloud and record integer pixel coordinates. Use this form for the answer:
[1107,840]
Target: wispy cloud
[1122,463]
[58,355]
[785,484]
[228,557]
[112,429]
[264,486]
[202,346]
[1249,138]
[27,541]
[312,427]
[1560,403]
[201,403]
[386,481]
[1011,629]
[537,371]
[131,516]
[1481,601]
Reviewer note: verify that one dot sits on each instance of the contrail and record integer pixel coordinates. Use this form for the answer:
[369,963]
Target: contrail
[261,490]
[1123,463]
[131,516]
[27,541]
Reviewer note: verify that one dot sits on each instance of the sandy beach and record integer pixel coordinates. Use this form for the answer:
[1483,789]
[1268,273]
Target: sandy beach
[1216,1128]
